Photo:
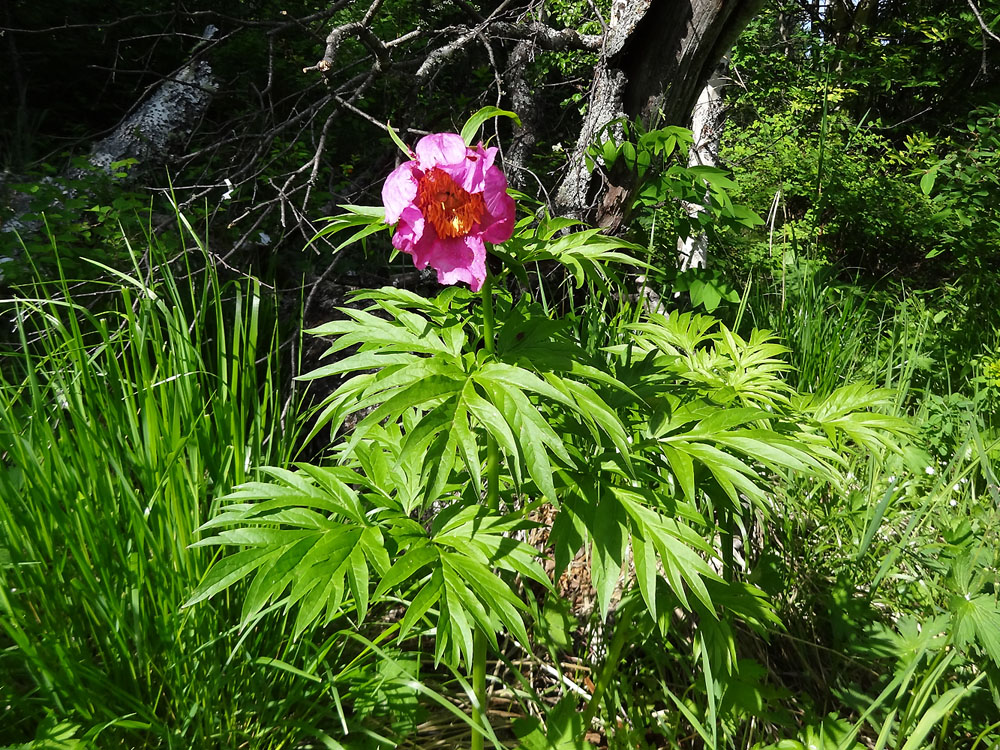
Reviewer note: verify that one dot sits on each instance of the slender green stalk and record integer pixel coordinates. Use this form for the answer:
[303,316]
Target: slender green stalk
[727,541]
[489,324]
[478,687]
[608,671]
[493,503]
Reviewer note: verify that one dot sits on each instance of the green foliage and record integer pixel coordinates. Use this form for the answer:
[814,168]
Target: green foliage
[867,189]
[706,287]
[657,162]
[87,216]
[123,418]
[562,730]
[890,552]
[646,449]
[963,187]
[839,116]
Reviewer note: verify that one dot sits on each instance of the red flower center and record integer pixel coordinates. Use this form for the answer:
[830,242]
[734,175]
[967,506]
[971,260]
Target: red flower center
[452,211]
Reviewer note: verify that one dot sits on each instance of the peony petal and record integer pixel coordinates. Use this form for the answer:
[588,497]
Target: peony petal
[470,266]
[410,229]
[478,267]
[439,150]
[470,174]
[458,259]
[399,190]
[500,206]
[489,154]
[422,250]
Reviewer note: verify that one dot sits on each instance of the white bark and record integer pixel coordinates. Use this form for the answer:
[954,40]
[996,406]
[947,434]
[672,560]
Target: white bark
[707,120]
[149,135]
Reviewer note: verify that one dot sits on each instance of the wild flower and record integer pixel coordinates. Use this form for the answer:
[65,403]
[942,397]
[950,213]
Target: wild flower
[449,200]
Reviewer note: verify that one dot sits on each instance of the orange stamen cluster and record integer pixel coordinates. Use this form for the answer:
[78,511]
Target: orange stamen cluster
[451,210]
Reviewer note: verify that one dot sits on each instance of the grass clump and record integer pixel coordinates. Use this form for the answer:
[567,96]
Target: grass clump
[122,417]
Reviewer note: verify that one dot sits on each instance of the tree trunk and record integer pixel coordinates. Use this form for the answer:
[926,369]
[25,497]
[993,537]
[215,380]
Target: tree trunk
[656,58]
[708,119]
[149,135]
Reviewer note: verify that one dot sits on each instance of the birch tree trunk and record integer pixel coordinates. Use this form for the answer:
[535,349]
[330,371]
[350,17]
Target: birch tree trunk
[656,58]
[707,121]
[149,135]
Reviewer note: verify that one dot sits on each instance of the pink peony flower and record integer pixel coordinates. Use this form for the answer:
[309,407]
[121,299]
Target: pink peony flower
[449,200]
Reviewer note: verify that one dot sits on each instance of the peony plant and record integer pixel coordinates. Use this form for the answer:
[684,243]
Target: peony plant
[651,448]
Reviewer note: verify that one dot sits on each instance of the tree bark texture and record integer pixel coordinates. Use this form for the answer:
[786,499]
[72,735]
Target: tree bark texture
[657,57]
[707,122]
[160,123]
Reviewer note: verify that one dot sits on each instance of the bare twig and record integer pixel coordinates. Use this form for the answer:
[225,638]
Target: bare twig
[337,36]
[982,23]
[320,16]
[438,57]
[370,14]
[548,38]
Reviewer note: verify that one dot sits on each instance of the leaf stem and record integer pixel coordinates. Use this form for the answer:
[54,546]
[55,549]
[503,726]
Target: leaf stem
[488,323]
[608,671]
[493,503]
[727,541]
[478,687]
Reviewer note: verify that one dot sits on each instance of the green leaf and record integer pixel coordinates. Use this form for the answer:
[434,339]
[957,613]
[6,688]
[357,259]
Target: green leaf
[373,543]
[465,439]
[229,570]
[608,543]
[978,617]
[493,421]
[644,559]
[683,568]
[563,729]
[438,464]
[271,580]
[453,627]
[426,598]
[532,433]
[472,125]
[494,591]
[942,707]
[405,568]
[876,520]
[523,380]
[683,467]
[326,593]
[714,176]
[357,579]
[372,360]
[927,181]
[398,141]
[417,394]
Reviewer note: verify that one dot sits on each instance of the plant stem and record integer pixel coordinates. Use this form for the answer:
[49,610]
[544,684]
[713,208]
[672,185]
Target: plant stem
[493,503]
[478,687]
[726,539]
[608,671]
[492,450]
[488,323]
